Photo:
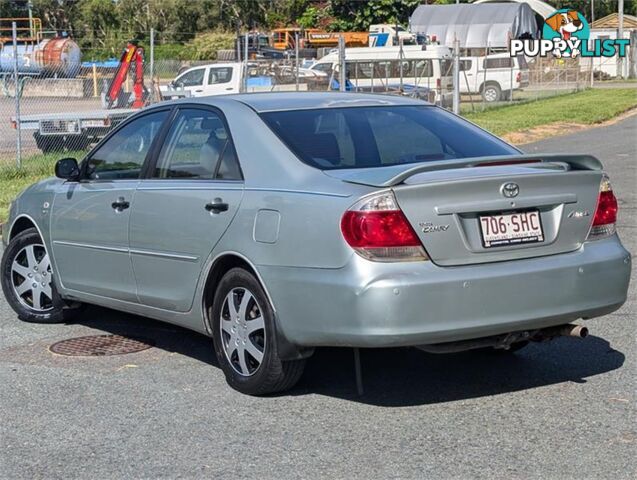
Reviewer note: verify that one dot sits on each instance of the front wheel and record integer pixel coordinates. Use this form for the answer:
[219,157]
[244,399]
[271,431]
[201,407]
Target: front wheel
[244,336]
[28,280]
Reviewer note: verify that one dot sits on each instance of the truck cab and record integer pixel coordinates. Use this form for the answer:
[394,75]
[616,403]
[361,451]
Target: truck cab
[203,80]
[386,35]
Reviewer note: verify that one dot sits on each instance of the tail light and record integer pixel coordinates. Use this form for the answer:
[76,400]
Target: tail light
[377,229]
[518,77]
[605,213]
[438,84]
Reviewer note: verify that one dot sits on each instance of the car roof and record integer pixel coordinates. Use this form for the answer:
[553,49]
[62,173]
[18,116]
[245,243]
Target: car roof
[281,101]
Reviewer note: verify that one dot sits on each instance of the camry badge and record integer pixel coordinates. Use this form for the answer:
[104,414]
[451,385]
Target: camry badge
[428,227]
[510,190]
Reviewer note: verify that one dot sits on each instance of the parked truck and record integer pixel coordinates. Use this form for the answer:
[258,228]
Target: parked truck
[495,77]
[77,130]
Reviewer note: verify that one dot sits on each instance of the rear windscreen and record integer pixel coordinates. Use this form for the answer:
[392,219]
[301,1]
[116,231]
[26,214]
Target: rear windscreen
[363,137]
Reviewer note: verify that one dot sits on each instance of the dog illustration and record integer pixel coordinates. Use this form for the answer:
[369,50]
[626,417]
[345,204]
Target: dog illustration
[566,24]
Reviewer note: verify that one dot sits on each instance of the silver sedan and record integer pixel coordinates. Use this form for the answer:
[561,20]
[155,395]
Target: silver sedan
[277,223]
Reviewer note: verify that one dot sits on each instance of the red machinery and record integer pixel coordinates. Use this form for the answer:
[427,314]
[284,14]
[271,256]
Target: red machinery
[115,95]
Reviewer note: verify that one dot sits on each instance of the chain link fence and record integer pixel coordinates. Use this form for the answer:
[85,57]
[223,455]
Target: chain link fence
[57,111]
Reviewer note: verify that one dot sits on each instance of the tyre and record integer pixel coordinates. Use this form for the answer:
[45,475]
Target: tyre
[244,336]
[28,281]
[491,93]
[227,55]
[44,143]
[75,143]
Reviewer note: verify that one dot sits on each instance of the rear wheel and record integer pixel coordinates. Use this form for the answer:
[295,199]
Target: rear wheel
[28,281]
[244,337]
[491,92]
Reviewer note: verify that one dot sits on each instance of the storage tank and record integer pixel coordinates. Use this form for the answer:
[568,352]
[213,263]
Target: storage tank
[51,57]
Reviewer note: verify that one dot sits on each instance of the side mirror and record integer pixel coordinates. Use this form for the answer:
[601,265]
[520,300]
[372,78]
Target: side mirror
[67,169]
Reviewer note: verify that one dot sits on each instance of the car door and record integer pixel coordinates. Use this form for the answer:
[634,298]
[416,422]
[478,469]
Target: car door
[192,81]
[222,80]
[89,218]
[182,209]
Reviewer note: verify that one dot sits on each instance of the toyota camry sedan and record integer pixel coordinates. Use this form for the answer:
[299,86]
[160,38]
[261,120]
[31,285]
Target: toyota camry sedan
[277,223]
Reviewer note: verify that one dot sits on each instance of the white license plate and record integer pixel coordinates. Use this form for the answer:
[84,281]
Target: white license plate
[511,229]
[92,123]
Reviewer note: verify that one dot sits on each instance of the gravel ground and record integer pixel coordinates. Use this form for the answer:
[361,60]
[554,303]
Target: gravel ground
[559,410]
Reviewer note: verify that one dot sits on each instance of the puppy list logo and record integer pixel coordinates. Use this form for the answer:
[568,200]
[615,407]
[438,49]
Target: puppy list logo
[566,34]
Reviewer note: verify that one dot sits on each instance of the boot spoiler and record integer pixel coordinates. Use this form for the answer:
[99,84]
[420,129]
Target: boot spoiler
[397,174]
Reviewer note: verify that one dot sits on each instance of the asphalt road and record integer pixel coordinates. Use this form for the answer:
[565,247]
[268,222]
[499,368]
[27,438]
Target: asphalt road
[559,410]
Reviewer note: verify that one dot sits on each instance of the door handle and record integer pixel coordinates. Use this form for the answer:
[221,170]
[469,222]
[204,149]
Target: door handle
[198,91]
[120,205]
[217,206]
[230,88]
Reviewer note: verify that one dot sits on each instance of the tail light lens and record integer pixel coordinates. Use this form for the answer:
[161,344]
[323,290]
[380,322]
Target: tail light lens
[438,83]
[605,213]
[378,230]
[518,77]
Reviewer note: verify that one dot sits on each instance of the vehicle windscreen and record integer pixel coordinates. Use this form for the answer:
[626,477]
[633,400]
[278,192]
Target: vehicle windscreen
[363,137]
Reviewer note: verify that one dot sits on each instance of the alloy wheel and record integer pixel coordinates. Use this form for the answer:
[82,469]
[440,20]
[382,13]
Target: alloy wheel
[242,331]
[31,278]
[490,95]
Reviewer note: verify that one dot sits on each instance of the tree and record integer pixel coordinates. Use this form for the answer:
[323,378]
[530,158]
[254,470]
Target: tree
[355,15]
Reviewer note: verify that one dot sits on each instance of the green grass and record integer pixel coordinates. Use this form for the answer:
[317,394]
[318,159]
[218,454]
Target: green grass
[34,168]
[587,107]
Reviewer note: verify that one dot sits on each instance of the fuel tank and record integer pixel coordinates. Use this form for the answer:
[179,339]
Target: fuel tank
[51,57]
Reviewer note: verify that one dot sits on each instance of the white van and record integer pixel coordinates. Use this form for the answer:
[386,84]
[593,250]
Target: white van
[379,69]
[493,76]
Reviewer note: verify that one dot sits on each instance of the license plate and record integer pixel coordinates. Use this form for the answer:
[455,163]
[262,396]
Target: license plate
[92,123]
[511,229]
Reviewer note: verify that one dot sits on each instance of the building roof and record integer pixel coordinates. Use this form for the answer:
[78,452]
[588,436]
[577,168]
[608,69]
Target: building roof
[538,6]
[612,21]
[475,25]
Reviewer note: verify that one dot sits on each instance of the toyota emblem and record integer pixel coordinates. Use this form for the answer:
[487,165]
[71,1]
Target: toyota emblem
[510,190]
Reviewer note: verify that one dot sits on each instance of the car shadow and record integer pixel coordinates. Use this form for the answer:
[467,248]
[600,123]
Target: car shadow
[399,377]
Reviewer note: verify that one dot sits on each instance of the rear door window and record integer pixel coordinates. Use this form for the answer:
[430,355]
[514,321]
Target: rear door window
[219,75]
[195,146]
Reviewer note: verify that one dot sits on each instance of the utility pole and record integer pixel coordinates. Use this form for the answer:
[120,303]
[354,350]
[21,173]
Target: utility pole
[31,29]
[620,35]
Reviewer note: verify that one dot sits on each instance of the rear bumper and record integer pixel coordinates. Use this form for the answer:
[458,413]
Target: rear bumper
[368,304]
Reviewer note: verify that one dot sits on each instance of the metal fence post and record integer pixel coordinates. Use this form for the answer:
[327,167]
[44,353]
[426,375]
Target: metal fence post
[152,62]
[401,56]
[18,157]
[296,59]
[456,76]
[513,59]
[342,78]
[245,63]
[484,68]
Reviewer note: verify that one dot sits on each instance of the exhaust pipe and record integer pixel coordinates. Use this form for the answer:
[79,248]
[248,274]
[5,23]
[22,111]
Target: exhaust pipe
[568,330]
[578,331]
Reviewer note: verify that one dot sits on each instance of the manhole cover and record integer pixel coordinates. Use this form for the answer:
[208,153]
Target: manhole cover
[100,345]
